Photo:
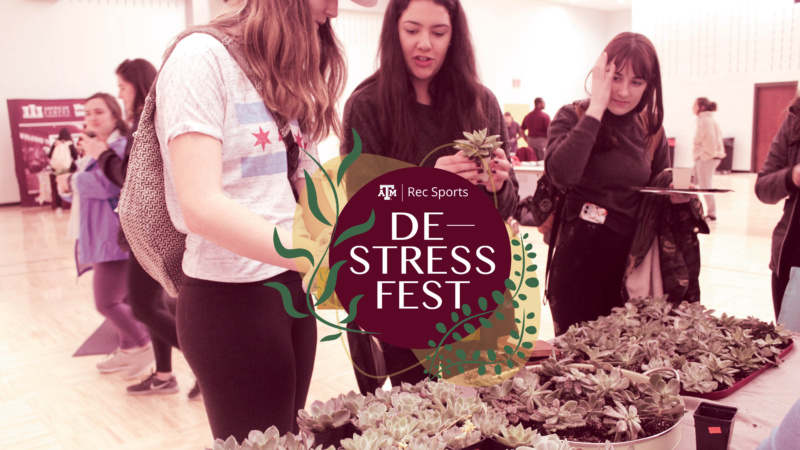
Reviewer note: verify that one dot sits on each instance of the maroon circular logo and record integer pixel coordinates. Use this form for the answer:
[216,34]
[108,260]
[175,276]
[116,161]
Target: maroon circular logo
[437,243]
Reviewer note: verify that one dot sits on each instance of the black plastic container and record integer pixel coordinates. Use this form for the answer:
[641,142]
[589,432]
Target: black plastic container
[713,426]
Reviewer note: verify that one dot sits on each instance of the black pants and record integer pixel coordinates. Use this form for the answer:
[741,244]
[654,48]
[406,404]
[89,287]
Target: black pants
[149,303]
[778,290]
[252,360]
[586,273]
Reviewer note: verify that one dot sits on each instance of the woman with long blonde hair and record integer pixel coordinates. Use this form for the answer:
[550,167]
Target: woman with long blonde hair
[231,177]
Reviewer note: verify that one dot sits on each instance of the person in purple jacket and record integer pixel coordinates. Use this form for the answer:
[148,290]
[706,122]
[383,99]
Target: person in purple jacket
[97,241]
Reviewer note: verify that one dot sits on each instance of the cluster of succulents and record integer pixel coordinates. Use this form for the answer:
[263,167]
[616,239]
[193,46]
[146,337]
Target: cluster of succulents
[710,353]
[558,396]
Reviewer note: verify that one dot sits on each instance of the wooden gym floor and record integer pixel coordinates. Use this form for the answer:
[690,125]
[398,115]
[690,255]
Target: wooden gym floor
[50,400]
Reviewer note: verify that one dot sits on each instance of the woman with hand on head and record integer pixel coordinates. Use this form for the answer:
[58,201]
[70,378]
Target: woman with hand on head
[426,93]
[229,180]
[708,150]
[98,230]
[145,295]
[597,157]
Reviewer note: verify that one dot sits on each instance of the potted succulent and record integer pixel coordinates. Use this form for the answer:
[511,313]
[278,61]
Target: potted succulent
[270,440]
[329,422]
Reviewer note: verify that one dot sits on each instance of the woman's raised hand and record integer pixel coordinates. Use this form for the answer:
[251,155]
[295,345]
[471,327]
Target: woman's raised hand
[603,74]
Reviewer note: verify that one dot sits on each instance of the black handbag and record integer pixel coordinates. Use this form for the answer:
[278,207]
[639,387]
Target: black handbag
[534,210]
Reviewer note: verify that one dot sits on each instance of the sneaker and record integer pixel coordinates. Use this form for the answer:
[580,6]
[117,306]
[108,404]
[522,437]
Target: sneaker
[140,361]
[711,218]
[152,385]
[114,362]
[135,362]
[195,392]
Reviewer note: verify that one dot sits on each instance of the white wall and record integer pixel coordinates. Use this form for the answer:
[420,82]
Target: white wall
[550,47]
[70,49]
[719,49]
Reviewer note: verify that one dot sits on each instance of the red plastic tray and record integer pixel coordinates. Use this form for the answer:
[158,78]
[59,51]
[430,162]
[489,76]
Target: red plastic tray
[716,395]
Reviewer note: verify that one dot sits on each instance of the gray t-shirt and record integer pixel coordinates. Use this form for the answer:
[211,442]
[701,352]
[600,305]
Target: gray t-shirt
[202,89]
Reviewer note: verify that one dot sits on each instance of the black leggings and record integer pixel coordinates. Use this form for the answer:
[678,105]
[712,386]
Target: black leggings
[149,303]
[778,290]
[252,360]
[586,273]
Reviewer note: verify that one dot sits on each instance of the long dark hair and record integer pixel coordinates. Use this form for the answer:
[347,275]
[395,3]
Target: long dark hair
[116,111]
[140,73]
[637,50]
[456,92]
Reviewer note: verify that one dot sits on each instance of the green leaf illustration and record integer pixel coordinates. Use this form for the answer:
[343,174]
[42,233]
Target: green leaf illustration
[441,328]
[528,247]
[525,236]
[431,344]
[517,257]
[530,330]
[467,310]
[331,284]
[522,297]
[510,285]
[531,315]
[332,337]
[483,304]
[313,205]
[462,355]
[353,309]
[500,316]
[448,347]
[521,355]
[530,268]
[532,282]
[508,350]
[350,158]
[485,323]
[286,297]
[498,369]
[454,317]
[476,354]
[514,334]
[460,369]
[481,370]
[528,345]
[290,253]
[498,298]
[457,336]
[510,362]
[515,243]
[491,354]
[355,230]
[469,328]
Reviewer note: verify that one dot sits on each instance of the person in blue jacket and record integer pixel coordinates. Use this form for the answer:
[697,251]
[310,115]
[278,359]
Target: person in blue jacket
[97,242]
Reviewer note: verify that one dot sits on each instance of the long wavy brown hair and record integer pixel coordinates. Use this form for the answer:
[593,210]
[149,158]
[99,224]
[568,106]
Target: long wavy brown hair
[303,69]
[456,91]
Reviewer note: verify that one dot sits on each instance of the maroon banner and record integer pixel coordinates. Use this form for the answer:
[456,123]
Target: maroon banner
[35,124]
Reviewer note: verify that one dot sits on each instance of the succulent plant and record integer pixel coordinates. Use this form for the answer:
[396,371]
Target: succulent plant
[628,424]
[548,442]
[460,437]
[697,378]
[353,402]
[372,416]
[402,427]
[323,416]
[463,407]
[603,383]
[269,440]
[744,358]
[489,422]
[477,145]
[721,370]
[371,439]
[560,415]
[516,436]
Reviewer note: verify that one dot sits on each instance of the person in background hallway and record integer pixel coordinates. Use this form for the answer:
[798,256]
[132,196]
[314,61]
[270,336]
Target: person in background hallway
[779,179]
[145,295]
[97,244]
[596,158]
[534,128]
[708,150]
[62,157]
[514,133]
[230,180]
[425,93]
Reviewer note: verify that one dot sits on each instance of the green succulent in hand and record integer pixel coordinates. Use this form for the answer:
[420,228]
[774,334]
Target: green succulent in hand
[477,145]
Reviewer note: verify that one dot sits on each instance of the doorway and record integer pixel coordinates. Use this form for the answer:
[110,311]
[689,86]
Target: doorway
[769,111]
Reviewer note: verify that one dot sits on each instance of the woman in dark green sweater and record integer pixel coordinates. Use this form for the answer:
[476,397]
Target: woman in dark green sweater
[425,93]
[597,157]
